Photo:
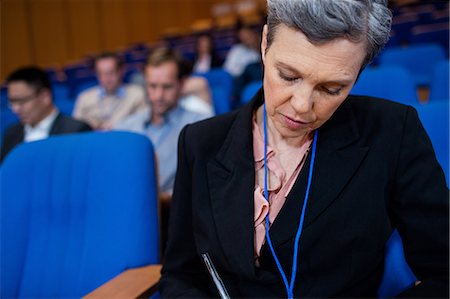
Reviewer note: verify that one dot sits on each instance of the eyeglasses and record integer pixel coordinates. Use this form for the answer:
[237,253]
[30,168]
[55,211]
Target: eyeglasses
[21,101]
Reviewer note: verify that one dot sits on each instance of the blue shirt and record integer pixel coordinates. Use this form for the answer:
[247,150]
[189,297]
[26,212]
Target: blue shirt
[164,138]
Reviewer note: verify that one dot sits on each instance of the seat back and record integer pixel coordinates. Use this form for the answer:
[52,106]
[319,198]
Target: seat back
[387,81]
[419,59]
[397,275]
[76,210]
[221,85]
[435,119]
[250,90]
[439,89]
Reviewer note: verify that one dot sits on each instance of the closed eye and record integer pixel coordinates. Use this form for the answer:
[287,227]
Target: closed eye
[332,91]
[287,77]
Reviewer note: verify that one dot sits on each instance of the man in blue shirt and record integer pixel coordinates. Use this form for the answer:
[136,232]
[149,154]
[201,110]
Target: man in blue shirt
[164,119]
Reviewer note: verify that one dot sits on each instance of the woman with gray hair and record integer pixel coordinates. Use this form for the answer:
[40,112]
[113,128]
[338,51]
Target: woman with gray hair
[296,193]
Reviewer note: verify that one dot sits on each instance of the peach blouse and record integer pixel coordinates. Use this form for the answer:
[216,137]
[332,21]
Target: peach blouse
[279,184]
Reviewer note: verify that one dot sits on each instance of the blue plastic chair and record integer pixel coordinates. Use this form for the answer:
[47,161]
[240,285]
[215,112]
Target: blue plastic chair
[250,90]
[397,275]
[435,119]
[76,210]
[439,89]
[418,59]
[387,81]
[221,85]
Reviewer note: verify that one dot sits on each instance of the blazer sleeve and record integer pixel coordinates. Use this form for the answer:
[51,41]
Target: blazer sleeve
[421,211]
[183,274]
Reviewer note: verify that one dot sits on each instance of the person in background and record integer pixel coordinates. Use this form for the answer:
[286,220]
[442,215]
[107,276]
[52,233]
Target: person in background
[296,194]
[205,58]
[111,101]
[243,53]
[163,120]
[30,98]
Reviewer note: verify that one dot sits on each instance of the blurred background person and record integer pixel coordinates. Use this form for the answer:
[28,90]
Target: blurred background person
[205,58]
[30,98]
[166,115]
[243,53]
[105,105]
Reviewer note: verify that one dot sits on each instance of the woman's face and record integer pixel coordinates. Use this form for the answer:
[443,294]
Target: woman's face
[304,83]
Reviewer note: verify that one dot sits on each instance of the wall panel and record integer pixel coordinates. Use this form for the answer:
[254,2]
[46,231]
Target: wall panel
[113,26]
[83,28]
[15,36]
[49,31]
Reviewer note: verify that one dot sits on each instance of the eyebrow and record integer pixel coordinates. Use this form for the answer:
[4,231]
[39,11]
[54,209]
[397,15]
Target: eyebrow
[343,82]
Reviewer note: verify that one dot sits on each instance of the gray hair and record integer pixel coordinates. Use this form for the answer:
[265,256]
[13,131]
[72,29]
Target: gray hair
[324,20]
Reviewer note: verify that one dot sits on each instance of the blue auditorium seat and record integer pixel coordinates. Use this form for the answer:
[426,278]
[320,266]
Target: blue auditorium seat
[221,85]
[419,59]
[387,81]
[250,90]
[435,118]
[439,89]
[397,275]
[76,210]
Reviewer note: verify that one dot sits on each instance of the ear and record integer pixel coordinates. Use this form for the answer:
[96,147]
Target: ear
[46,96]
[264,43]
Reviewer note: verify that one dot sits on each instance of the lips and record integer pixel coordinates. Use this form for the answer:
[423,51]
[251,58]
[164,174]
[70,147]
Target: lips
[294,124]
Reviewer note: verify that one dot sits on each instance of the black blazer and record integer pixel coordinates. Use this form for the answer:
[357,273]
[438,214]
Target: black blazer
[375,170]
[62,125]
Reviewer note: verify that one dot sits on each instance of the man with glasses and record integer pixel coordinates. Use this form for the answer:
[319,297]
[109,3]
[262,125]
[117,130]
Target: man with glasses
[30,98]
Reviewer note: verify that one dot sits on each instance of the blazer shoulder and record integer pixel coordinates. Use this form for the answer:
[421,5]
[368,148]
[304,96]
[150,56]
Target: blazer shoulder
[67,124]
[209,133]
[370,110]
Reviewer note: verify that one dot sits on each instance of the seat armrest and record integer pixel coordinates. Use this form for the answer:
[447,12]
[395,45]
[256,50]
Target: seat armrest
[132,283]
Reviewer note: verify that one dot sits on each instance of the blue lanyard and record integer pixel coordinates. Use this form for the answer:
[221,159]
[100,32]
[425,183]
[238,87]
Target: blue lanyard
[289,285]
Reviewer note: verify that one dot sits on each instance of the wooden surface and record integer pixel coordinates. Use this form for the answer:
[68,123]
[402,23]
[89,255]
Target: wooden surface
[132,283]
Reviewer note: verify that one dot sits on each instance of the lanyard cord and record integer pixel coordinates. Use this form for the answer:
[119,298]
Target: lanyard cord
[289,286]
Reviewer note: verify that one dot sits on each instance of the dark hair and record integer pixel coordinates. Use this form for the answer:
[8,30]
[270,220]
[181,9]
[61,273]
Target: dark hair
[117,58]
[162,55]
[32,76]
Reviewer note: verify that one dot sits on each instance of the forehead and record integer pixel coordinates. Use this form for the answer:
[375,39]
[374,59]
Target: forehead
[106,63]
[339,57]
[167,71]
[19,88]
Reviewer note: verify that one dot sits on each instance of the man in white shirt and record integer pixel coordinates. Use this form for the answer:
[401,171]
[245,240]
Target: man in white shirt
[30,98]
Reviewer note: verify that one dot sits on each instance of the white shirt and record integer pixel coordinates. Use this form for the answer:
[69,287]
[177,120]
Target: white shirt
[42,129]
[238,58]
[195,104]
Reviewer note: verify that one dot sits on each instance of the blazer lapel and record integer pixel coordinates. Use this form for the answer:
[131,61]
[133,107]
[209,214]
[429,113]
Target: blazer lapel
[57,125]
[231,179]
[338,156]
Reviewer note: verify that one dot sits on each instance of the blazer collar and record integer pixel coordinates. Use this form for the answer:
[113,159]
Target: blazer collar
[57,126]
[231,179]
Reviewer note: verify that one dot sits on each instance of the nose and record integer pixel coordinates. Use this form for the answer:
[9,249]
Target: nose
[156,93]
[302,99]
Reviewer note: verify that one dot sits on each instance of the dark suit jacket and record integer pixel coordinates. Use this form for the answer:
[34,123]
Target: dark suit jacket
[62,125]
[375,170]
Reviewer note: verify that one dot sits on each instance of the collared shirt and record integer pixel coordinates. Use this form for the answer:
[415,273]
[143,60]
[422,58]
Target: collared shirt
[42,129]
[164,138]
[279,185]
[99,109]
